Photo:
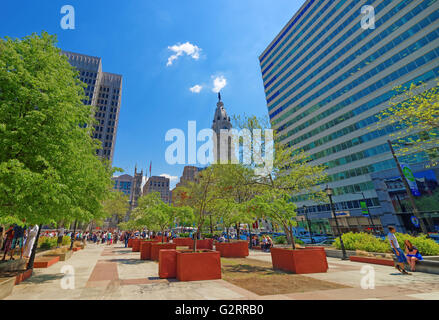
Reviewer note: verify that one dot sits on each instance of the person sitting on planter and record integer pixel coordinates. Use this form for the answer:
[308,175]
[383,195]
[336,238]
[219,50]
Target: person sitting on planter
[269,243]
[400,256]
[413,254]
[264,243]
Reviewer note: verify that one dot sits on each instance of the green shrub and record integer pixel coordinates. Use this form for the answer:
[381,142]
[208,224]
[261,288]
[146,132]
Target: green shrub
[362,241]
[184,235]
[298,241]
[426,247]
[369,243]
[280,240]
[47,242]
[66,240]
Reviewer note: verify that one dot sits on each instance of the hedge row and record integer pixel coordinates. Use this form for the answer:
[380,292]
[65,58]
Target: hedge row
[369,243]
[51,242]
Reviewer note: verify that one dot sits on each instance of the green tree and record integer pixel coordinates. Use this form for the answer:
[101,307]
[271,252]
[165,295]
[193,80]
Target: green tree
[291,175]
[200,196]
[278,209]
[414,111]
[117,205]
[49,170]
[153,213]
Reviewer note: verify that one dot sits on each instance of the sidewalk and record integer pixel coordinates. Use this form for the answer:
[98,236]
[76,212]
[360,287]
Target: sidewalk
[113,272]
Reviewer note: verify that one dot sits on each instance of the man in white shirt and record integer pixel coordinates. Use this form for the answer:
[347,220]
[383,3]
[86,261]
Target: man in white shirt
[400,255]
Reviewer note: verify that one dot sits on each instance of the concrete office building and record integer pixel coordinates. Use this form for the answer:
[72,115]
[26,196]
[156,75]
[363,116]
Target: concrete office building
[326,78]
[104,91]
[160,185]
[123,183]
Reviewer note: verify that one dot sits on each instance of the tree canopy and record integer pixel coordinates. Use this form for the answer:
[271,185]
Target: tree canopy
[49,170]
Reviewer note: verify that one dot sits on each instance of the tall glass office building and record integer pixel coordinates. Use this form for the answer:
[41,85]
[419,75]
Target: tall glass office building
[326,78]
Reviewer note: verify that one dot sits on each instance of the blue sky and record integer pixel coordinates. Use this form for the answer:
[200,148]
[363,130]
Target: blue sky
[132,38]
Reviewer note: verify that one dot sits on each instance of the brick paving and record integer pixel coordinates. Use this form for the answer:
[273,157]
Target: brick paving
[115,272]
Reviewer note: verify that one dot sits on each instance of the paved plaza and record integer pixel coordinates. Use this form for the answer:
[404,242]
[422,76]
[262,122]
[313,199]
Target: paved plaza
[114,272]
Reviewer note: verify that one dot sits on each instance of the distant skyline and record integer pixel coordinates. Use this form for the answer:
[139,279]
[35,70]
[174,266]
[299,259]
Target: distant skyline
[174,57]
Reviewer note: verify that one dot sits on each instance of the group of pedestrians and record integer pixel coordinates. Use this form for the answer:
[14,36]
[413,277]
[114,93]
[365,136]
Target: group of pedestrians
[18,238]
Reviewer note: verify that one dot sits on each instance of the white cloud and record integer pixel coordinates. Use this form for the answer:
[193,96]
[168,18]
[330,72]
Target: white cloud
[219,83]
[187,48]
[172,180]
[196,89]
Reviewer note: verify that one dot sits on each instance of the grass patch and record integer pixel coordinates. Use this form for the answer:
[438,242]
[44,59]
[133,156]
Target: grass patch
[259,277]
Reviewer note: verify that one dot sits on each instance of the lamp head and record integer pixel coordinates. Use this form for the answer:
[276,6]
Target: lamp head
[329,191]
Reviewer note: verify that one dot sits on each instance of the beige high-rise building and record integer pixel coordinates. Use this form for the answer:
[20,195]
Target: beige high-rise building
[104,91]
[160,185]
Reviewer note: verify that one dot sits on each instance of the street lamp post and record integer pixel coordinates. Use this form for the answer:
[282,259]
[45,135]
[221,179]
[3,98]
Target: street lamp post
[309,225]
[329,193]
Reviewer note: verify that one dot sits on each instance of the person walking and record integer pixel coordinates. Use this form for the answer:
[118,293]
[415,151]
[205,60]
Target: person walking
[109,240]
[8,242]
[413,254]
[17,241]
[399,254]
[126,237]
[60,237]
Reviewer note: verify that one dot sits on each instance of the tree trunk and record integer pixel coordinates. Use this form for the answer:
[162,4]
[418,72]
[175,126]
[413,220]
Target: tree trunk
[163,236]
[292,237]
[73,235]
[30,264]
[211,226]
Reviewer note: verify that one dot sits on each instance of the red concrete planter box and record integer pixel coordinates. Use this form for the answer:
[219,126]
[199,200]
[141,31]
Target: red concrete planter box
[202,244]
[159,238]
[76,249]
[130,243]
[46,262]
[237,249]
[167,263]
[384,262]
[145,249]
[157,246]
[196,266]
[300,261]
[23,276]
[183,242]
[136,245]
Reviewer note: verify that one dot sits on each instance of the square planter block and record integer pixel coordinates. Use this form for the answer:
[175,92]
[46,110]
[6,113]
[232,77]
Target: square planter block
[23,276]
[62,256]
[237,249]
[145,249]
[383,262]
[157,246]
[159,238]
[167,263]
[13,265]
[202,244]
[45,262]
[136,245]
[183,242]
[300,261]
[6,286]
[196,266]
